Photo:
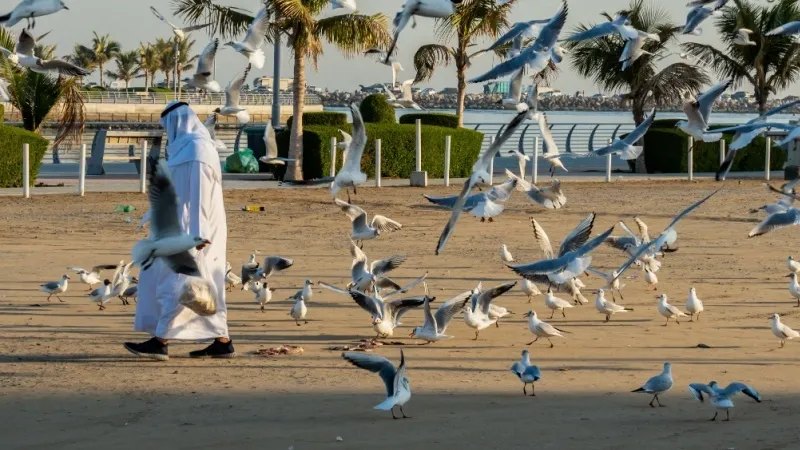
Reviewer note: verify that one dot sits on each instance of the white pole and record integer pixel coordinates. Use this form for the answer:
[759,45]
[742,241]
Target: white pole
[333,156]
[491,163]
[447,144]
[82,172]
[721,151]
[377,163]
[142,168]
[26,170]
[608,164]
[690,157]
[767,158]
[535,167]
[419,145]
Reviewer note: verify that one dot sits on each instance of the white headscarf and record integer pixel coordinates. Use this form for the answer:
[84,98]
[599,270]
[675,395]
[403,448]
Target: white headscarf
[188,138]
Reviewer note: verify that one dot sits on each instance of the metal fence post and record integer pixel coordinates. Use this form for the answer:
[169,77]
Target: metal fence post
[608,164]
[377,163]
[333,156]
[491,163]
[767,158]
[419,145]
[26,170]
[721,151]
[142,168]
[82,172]
[447,143]
[535,165]
[690,158]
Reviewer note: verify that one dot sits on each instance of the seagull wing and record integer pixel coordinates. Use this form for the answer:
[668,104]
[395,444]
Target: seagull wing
[359,141]
[257,30]
[333,288]
[64,68]
[385,224]
[195,27]
[706,100]
[234,89]
[597,31]
[515,85]
[641,130]
[356,252]
[270,142]
[736,387]
[375,364]
[407,287]
[785,29]
[205,64]
[486,297]
[26,44]
[430,321]
[163,201]
[698,389]
[353,212]
[533,101]
[162,18]
[643,232]
[548,37]
[776,221]
[183,263]
[368,303]
[542,239]
[550,147]
[386,265]
[485,160]
[446,312]
[405,89]
[577,237]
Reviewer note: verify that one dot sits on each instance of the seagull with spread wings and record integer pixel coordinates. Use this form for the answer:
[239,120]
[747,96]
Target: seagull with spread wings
[232,96]
[250,46]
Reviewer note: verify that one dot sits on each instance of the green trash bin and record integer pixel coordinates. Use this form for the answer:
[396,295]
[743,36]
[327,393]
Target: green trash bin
[254,137]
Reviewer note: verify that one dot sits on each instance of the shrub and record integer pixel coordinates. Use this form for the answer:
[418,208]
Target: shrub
[397,150]
[667,153]
[11,140]
[2,114]
[665,123]
[434,119]
[326,118]
[376,109]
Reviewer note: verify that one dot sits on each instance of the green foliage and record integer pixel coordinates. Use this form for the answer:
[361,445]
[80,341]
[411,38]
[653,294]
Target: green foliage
[434,119]
[2,114]
[326,118]
[397,149]
[667,153]
[376,109]
[11,140]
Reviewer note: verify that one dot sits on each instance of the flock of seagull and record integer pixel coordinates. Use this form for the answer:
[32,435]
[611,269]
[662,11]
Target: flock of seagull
[560,271]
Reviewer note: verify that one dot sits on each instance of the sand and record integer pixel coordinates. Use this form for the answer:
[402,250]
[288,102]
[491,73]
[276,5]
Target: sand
[67,383]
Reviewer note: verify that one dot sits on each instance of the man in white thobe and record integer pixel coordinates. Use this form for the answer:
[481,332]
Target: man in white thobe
[194,163]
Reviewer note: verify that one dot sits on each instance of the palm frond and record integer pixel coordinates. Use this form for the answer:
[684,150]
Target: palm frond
[428,57]
[724,65]
[354,33]
[227,21]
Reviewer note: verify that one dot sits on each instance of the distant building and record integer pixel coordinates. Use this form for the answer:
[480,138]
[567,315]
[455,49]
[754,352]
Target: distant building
[449,91]
[496,87]
[266,82]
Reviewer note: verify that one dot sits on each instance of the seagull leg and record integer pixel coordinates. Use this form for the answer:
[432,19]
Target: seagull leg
[531,342]
[48,297]
[608,317]
[393,416]
[676,321]
[715,416]
[563,314]
[727,415]
[533,390]
[297,323]
[551,313]
[551,343]
[525,388]
[476,335]
[497,324]
[529,299]
[698,317]
[651,401]
[492,220]
[659,402]
[667,322]
[348,201]
[691,318]
[262,308]
[404,413]
[782,343]
[620,295]
[59,299]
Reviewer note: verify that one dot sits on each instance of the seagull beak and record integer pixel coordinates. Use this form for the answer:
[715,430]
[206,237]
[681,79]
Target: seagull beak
[788,276]
[206,241]
[65,7]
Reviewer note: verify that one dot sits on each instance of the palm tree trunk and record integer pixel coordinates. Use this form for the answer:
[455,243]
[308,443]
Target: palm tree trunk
[462,94]
[178,79]
[639,165]
[294,172]
[101,76]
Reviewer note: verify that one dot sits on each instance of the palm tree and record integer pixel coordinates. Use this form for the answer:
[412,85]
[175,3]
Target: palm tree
[299,20]
[474,20]
[127,67]
[148,64]
[643,82]
[771,65]
[185,58]
[165,55]
[37,96]
[81,57]
[102,50]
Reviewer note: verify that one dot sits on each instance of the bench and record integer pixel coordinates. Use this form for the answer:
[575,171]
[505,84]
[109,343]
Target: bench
[115,145]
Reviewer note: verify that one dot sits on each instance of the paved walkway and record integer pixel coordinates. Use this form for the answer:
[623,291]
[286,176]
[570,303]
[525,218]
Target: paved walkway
[130,183]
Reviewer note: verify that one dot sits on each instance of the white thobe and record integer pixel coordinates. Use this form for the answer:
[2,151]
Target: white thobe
[201,212]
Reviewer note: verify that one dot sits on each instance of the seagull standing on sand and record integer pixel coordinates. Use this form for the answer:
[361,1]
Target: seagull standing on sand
[361,230]
[101,295]
[650,278]
[794,288]
[527,373]
[694,305]
[250,46]
[530,289]
[398,388]
[167,239]
[299,310]
[350,175]
[505,255]
[793,265]
[606,307]
[556,304]
[30,10]
[781,330]
[231,279]
[203,77]
[92,277]
[181,33]
[721,398]
[56,287]
[232,96]
[669,311]
[658,385]
[540,328]
[263,293]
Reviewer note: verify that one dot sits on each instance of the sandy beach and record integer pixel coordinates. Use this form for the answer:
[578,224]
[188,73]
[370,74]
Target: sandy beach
[67,383]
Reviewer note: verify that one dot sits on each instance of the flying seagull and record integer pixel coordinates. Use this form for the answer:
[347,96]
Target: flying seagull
[250,46]
[181,33]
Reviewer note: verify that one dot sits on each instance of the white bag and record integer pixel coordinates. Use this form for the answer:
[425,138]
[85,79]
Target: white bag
[199,295]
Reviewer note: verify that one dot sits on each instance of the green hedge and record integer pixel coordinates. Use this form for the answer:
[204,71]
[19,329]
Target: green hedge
[435,119]
[326,118]
[376,109]
[11,140]
[2,114]
[397,150]
[667,153]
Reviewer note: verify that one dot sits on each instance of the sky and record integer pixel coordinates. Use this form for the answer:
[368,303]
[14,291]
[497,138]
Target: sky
[131,22]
